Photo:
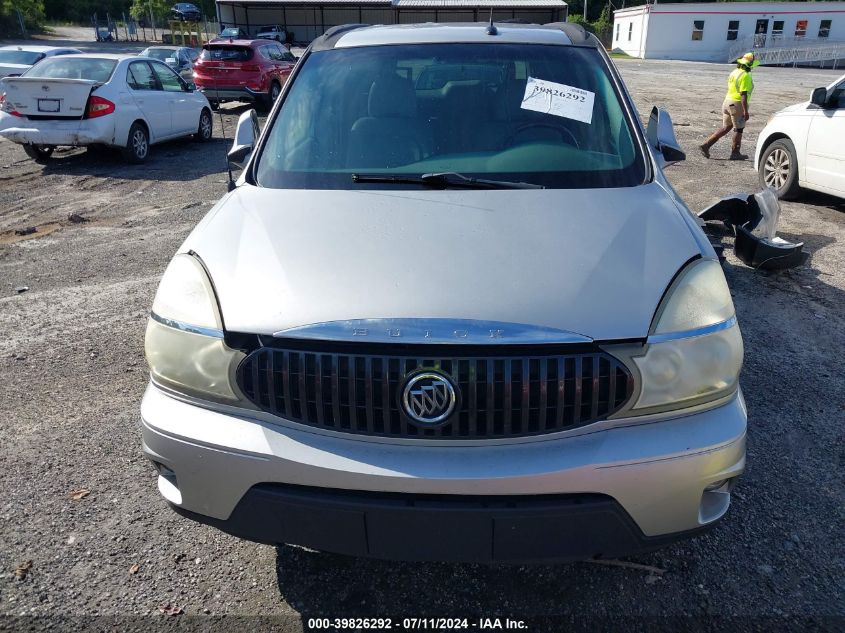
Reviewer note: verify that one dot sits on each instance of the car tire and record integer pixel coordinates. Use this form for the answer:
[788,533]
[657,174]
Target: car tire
[137,144]
[778,169]
[275,91]
[205,130]
[39,153]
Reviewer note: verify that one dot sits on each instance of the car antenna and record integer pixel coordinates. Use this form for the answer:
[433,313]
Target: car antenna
[491,28]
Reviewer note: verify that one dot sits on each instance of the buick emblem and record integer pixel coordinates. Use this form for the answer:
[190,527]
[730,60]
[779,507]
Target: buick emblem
[429,397]
[45,88]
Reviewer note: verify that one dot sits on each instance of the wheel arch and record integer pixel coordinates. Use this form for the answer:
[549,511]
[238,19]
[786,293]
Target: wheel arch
[146,125]
[771,138]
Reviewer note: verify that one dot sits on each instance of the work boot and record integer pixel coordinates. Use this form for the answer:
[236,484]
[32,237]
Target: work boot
[705,147]
[736,142]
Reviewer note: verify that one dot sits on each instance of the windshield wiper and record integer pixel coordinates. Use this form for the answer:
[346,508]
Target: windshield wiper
[444,180]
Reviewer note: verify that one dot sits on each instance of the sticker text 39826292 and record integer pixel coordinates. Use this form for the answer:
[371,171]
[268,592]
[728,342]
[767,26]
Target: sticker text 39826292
[558,99]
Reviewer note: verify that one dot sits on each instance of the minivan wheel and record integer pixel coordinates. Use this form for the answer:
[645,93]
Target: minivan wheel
[137,145]
[779,168]
[39,153]
[206,127]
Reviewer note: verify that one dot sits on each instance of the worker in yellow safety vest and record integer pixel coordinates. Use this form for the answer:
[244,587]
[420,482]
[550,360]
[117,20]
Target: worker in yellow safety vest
[735,108]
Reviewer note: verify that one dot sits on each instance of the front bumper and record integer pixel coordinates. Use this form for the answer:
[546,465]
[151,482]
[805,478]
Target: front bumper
[71,132]
[631,488]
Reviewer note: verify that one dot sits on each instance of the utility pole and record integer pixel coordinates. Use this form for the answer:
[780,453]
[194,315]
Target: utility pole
[586,6]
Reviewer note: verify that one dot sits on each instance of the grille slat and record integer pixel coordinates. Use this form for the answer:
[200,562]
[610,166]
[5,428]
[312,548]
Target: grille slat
[318,388]
[335,391]
[288,410]
[579,383]
[499,395]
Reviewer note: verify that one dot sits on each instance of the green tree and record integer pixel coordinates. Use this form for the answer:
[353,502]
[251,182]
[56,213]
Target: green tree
[161,8]
[80,11]
[32,11]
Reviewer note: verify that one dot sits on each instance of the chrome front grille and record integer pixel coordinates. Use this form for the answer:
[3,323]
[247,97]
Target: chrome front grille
[500,396]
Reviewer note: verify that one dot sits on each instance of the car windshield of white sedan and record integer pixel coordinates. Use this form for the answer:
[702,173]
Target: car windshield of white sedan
[385,116]
[99,70]
[19,57]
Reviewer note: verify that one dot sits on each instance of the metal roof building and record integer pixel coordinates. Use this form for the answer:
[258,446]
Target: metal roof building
[307,19]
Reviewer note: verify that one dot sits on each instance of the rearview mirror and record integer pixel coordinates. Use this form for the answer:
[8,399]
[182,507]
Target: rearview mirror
[819,97]
[661,136]
[245,136]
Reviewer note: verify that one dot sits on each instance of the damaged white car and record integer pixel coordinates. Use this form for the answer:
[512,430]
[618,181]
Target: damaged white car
[113,100]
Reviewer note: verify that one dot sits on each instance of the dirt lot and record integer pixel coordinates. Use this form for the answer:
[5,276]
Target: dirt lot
[72,374]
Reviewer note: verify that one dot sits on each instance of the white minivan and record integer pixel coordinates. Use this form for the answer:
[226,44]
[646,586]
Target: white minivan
[804,145]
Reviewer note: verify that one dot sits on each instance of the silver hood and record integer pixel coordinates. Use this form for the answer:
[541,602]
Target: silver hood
[591,262]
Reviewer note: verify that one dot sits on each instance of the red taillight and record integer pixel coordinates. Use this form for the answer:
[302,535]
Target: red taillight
[251,68]
[6,108]
[97,106]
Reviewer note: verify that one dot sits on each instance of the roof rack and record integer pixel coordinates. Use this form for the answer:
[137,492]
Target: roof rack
[328,39]
[575,32]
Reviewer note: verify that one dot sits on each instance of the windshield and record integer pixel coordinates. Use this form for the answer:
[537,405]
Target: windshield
[538,114]
[19,57]
[99,70]
[213,52]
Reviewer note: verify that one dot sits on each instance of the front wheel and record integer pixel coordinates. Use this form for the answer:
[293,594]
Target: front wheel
[779,168]
[137,145]
[206,127]
[39,153]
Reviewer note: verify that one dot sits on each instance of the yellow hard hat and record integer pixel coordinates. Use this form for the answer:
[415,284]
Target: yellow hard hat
[748,60]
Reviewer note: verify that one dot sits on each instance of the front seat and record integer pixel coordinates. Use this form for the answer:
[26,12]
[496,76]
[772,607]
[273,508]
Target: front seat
[391,135]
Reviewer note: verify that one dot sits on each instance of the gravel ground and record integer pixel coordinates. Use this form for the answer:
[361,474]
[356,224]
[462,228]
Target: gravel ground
[72,374]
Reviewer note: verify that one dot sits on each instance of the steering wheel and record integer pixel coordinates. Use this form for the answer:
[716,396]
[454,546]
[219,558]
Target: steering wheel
[566,134]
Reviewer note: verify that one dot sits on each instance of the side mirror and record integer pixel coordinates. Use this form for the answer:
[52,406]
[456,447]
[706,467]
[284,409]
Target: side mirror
[190,86]
[819,97]
[245,136]
[661,136]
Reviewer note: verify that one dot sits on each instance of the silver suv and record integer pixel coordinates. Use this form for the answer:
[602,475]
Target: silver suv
[452,310]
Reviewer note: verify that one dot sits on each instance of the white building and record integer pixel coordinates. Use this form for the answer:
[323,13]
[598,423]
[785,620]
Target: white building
[718,31]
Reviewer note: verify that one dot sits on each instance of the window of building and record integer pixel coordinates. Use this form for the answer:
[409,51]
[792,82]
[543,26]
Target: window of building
[800,28]
[777,28]
[824,28]
[630,30]
[698,29]
[616,38]
[733,29]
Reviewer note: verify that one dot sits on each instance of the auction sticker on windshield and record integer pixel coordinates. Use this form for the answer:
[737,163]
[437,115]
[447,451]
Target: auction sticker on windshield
[558,99]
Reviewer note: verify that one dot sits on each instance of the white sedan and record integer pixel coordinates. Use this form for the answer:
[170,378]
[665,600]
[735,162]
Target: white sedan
[120,101]
[804,145]
[15,60]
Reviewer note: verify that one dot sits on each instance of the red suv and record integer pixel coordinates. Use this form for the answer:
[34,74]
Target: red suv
[243,70]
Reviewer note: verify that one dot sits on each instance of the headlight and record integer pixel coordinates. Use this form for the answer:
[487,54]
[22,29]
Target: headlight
[184,344]
[694,352]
